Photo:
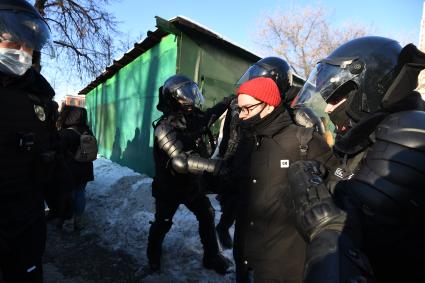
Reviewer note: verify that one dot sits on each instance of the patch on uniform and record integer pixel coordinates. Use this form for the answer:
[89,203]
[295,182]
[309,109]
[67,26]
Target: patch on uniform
[284,163]
[343,174]
[39,112]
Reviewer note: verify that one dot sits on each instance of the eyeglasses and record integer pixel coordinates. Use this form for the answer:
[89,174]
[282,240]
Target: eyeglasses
[244,110]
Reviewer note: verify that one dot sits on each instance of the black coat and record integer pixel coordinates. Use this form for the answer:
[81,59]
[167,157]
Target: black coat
[265,238]
[82,172]
[24,170]
[190,131]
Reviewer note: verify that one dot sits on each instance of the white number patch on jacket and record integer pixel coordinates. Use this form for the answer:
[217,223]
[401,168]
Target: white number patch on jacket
[284,163]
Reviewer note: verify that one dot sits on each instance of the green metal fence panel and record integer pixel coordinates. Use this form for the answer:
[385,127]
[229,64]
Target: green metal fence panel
[122,109]
[215,69]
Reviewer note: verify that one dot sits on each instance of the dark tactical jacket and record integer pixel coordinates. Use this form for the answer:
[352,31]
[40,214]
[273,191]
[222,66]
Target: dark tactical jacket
[27,141]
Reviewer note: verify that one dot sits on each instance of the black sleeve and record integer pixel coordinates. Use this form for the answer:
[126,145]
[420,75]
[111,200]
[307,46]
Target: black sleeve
[182,162]
[213,113]
[318,150]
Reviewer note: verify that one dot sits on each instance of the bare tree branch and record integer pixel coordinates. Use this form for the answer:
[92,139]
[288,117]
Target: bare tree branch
[83,33]
[303,35]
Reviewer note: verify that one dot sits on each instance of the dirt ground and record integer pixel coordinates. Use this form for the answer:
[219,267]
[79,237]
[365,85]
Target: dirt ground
[78,257]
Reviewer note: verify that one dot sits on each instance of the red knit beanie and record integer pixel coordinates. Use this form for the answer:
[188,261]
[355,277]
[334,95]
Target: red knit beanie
[263,89]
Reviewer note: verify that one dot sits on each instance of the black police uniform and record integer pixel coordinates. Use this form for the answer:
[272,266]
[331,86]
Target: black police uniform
[371,225]
[367,224]
[180,155]
[27,161]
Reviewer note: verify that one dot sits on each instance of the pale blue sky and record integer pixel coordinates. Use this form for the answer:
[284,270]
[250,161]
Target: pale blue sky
[237,20]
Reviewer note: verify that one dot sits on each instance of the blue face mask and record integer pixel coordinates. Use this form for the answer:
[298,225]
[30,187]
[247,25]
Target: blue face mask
[14,61]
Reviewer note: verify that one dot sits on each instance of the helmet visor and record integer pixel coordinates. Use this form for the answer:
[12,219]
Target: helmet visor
[329,75]
[254,71]
[310,97]
[24,28]
[188,94]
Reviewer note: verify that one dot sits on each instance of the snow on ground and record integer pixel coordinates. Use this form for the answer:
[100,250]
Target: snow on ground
[119,208]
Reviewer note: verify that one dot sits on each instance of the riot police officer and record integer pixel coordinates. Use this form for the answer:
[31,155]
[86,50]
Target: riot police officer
[276,69]
[27,133]
[368,220]
[180,156]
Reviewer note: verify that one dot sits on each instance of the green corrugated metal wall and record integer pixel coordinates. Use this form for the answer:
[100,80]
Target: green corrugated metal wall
[122,109]
[213,68]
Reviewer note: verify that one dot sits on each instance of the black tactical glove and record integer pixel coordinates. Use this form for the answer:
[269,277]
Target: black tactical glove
[312,204]
[197,165]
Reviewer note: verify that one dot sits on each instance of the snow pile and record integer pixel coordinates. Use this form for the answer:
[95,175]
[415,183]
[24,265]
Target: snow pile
[119,208]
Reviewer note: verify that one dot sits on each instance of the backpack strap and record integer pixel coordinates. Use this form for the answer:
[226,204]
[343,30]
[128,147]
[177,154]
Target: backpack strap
[304,136]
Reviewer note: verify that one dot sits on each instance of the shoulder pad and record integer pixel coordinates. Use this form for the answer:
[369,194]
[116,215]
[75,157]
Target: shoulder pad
[405,128]
[162,129]
[166,138]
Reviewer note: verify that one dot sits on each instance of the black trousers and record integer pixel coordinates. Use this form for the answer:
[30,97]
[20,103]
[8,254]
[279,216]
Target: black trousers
[165,210]
[21,256]
[228,203]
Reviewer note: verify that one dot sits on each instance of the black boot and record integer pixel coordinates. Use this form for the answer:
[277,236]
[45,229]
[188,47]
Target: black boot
[217,262]
[154,257]
[157,233]
[224,236]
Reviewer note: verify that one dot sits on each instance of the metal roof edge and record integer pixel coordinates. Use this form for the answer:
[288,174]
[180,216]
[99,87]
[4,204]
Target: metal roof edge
[164,29]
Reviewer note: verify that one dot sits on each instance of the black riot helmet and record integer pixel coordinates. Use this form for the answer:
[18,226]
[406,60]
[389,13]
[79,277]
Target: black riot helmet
[179,93]
[271,67]
[21,23]
[355,76]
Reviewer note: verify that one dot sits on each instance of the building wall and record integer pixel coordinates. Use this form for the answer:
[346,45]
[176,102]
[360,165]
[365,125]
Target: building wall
[122,109]
[75,100]
[216,70]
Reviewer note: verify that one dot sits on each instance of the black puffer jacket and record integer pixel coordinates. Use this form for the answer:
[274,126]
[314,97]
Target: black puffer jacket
[73,123]
[265,238]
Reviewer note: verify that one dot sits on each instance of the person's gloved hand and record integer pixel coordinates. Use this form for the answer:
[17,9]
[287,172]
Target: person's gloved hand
[228,99]
[311,202]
